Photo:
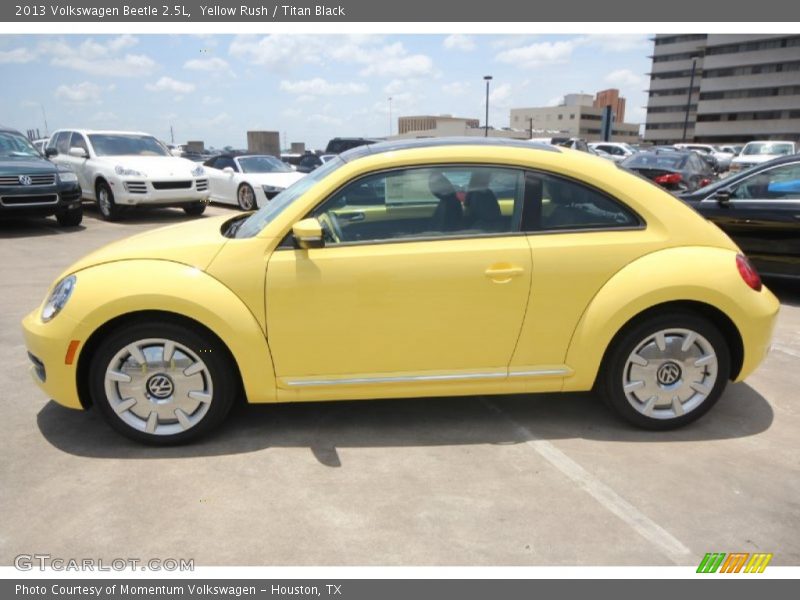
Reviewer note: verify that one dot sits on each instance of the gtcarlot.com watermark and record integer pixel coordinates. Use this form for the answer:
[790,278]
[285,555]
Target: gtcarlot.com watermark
[43,562]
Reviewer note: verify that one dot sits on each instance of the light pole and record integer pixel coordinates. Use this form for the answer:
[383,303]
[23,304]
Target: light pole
[487,78]
[390,116]
[689,98]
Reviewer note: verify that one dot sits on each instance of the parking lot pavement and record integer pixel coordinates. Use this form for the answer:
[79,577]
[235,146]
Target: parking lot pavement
[522,480]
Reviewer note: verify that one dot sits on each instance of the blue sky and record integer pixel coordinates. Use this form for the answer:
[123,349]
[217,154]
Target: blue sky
[309,87]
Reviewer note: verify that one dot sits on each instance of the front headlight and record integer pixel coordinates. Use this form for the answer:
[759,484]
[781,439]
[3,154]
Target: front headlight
[120,170]
[67,177]
[271,189]
[198,171]
[58,298]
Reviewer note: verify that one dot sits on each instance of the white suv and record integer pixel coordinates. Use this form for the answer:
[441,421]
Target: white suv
[119,169]
[755,153]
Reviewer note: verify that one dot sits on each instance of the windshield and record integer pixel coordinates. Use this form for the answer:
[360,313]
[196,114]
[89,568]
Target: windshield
[650,160]
[123,144]
[12,144]
[262,164]
[267,213]
[779,148]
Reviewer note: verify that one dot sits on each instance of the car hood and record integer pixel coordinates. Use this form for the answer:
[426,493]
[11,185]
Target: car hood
[753,159]
[159,166]
[12,165]
[194,244]
[283,180]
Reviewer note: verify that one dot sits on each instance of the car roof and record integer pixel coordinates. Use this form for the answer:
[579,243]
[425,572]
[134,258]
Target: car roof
[5,129]
[411,144]
[104,131]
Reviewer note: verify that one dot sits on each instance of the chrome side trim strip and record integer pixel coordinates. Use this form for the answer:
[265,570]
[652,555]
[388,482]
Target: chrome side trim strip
[411,378]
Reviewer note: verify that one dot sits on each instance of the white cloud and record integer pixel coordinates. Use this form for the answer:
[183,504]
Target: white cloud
[458,41]
[219,119]
[17,56]
[500,96]
[538,54]
[556,101]
[214,64]
[80,93]
[625,78]
[618,42]
[277,51]
[394,61]
[455,88]
[321,87]
[209,100]
[103,59]
[324,119]
[168,84]
[103,117]
[292,112]
[512,41]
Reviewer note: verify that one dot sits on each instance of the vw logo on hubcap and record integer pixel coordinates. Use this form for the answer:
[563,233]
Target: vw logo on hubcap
[160,386]
[668,373]
[25,180]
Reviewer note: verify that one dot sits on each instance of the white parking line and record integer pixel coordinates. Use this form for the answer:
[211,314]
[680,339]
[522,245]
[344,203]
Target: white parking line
[627,512]
[786,350]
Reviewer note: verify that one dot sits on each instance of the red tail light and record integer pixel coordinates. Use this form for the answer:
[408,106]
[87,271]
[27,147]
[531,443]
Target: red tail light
[748,272]
[704,182]
[668,179]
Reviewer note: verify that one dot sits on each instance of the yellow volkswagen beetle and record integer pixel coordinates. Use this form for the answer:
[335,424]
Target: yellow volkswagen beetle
[422,268]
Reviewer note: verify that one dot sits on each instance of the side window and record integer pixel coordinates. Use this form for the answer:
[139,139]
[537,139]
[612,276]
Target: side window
[211,162]
[570,205]
[424,203]
[226,161]
[780,183]
[62,142]
[78,141]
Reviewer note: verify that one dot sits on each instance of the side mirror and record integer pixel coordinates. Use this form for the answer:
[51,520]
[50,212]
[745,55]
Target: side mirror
[308,234]
[78,152]
[228,170]
[48,152]
[723,197]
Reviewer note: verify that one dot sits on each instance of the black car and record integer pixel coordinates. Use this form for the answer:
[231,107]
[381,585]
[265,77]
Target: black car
[674,170]
[31,185]
[760,210]
[338,145]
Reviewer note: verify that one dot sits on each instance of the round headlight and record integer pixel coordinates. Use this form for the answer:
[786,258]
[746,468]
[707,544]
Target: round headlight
[58,298]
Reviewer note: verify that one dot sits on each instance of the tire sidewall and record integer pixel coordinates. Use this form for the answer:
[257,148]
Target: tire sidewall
[614,366]
[113,210]
[213,355]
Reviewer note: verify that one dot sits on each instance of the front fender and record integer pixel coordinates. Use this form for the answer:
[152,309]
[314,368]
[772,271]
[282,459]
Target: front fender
[701,274]
[108,291]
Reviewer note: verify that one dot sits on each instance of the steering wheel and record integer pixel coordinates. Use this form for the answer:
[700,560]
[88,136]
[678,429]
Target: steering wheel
[331,224]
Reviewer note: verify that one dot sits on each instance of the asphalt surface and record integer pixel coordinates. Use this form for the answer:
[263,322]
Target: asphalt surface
[520,480]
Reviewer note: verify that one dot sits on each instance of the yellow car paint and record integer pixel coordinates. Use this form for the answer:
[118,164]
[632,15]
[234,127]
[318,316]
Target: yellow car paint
[494,314]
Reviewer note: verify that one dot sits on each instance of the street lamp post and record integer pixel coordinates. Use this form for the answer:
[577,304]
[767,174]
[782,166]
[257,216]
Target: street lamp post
[487,78]
[390,116]
[689,99]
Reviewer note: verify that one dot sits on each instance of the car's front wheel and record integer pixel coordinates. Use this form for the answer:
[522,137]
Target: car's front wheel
[71,217]
[195,210]
[105,202]
[246,197]
[666,371]
[162,383]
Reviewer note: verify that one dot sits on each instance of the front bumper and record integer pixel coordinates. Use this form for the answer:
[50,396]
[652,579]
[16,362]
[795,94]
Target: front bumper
[39,200]
[135,192]
[47,345]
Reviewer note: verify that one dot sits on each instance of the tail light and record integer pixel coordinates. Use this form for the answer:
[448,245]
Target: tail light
[748,272]
[704,182]
[668,179]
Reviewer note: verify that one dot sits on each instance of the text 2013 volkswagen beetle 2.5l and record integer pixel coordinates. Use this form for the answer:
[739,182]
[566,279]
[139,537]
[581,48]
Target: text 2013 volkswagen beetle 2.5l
[424,268]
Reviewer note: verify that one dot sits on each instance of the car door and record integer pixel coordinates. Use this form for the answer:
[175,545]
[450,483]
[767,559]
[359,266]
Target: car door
[214,176]
[762,215]
[404,290]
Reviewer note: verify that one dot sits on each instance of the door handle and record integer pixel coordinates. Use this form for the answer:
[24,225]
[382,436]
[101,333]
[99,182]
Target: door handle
[503,274]
[358,216]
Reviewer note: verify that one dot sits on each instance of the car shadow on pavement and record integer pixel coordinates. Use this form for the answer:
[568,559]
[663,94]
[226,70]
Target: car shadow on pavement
[34,226]
[325,426]
[155,216]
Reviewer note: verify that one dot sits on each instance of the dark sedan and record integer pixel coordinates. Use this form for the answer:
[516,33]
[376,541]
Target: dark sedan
[760,210]
[33,186]
[674,170]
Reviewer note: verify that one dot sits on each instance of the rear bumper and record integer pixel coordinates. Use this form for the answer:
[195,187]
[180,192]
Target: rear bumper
[762,314]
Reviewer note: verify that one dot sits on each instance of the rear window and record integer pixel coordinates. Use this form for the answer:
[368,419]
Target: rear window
[644,160]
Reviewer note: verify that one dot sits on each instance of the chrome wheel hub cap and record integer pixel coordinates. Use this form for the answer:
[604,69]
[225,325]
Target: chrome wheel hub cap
[158,386]
[105,205]
[246,197]
[670,373]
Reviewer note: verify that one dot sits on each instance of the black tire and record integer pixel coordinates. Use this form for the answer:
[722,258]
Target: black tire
[610,383]
[70,218]
[196,209]
[244,192]
[106,205]
[219,375]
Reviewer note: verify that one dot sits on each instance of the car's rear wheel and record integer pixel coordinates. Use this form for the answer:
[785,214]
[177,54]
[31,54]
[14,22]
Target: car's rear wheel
[105,202]
[162,383]
[195,210]
[71,217]
[246,197]
[666,371]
